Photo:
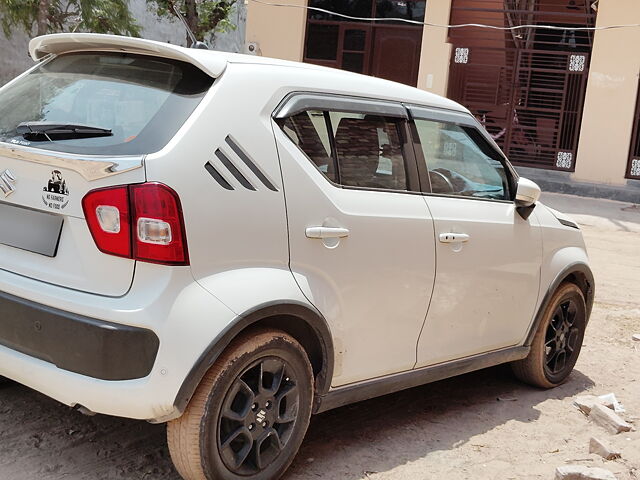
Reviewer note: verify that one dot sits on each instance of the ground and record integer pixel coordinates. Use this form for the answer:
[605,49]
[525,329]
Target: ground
[483,425]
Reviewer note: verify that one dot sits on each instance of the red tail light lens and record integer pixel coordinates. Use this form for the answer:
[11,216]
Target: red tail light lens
[107,213]
[158,224]
[143,222]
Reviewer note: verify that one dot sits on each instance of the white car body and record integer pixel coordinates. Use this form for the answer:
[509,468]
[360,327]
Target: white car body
[387,307]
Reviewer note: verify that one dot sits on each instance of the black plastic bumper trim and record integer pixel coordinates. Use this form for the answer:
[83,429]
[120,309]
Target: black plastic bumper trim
[573,269]
[95,348]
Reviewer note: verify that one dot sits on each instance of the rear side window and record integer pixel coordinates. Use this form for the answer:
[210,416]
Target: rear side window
[142,100]
[351,149]
[369,151]
[310,131]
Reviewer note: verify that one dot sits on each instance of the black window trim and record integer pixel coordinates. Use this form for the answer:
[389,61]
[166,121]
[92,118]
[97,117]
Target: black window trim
[292,105]
[419,112]
[332,146]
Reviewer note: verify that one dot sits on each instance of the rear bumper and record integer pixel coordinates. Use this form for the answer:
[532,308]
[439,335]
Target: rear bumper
[79,344]
[123,356]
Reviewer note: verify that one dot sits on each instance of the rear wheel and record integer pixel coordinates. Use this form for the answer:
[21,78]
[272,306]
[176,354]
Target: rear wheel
[558,340]
[249,414]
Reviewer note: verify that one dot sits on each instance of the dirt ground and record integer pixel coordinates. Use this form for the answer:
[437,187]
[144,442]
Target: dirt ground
[482,425]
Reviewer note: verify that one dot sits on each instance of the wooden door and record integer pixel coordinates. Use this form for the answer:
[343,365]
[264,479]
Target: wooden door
[396,53]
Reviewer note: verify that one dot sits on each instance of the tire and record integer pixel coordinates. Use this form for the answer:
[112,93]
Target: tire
[558,340]
[204,442]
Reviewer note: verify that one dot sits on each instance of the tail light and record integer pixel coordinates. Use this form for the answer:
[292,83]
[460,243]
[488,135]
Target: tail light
[143,222]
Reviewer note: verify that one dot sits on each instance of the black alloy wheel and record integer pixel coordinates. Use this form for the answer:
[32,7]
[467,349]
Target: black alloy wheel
[558,339]
[248,417]
[258,415]
[561,340]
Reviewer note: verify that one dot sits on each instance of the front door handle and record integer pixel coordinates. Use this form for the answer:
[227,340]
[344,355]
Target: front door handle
[454,237]
[326,232]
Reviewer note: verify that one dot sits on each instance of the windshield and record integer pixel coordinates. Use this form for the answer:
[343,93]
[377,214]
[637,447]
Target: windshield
[142,100]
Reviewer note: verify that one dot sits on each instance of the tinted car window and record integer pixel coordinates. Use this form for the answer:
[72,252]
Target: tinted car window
[142,100]
[309,131]
[351,149]
[369,151]
[459,163]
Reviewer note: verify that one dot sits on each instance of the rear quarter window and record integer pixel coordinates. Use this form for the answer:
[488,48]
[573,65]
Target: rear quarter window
[143,100]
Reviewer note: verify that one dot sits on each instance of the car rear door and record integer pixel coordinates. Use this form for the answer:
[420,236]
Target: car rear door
[488,257]
[361,237]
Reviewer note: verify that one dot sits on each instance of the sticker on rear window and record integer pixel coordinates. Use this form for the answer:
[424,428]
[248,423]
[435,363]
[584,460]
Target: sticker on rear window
[56,193]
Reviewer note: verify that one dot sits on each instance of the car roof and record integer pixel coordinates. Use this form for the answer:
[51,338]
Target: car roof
[214,63]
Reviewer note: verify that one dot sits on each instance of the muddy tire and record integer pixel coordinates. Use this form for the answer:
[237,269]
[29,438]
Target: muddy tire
[558,340]
[249,415]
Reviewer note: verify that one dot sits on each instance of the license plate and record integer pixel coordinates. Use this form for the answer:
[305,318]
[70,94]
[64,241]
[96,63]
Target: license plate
[31,230]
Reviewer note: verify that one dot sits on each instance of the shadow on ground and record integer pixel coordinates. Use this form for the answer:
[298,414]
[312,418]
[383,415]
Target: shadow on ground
[382,433]
[40,438]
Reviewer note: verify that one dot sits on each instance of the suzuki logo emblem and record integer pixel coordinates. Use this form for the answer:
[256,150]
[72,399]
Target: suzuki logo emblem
[7,182]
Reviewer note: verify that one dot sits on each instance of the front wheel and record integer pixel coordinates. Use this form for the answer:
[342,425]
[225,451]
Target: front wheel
[249,414]
[558,340]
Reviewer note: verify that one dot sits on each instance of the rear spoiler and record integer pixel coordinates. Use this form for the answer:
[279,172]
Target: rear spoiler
[209,62]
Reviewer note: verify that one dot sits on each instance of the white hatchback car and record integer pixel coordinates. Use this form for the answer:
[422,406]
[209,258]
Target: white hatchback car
[230,243]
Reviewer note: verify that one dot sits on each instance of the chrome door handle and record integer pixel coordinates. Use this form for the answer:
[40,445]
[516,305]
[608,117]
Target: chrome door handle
[326,232]
[454,237]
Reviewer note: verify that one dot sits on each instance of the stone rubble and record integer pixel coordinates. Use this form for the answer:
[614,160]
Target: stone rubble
[580,472]
[607,418]
[603,449]
[585,403]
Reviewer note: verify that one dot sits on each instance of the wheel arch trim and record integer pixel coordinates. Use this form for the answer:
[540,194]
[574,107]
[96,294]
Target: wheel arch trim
[583,274]
[271,314]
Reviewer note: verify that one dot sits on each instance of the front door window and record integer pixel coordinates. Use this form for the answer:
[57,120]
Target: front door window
[460,164]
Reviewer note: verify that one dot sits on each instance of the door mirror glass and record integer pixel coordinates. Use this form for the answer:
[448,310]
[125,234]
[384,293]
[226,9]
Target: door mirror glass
[528,193]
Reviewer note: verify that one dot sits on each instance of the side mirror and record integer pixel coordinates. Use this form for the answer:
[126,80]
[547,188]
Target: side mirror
[527,194]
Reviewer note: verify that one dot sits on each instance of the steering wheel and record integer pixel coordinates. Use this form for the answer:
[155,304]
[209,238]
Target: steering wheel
[439,178]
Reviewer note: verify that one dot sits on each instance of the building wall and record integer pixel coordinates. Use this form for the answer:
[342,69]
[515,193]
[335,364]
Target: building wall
[611,95]
[15,57]
[609,103]
[436,51]
[277,31]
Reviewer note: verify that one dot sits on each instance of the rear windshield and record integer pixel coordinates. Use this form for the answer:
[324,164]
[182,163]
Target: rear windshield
[142,100]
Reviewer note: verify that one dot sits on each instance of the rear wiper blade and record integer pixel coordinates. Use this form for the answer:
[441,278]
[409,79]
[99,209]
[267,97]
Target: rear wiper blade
[61,131]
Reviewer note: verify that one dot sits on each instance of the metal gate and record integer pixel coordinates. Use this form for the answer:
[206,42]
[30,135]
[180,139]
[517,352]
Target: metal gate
[633,169]
[526,86]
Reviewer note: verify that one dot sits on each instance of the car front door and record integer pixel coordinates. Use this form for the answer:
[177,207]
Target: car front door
[361,237]
[488,257]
